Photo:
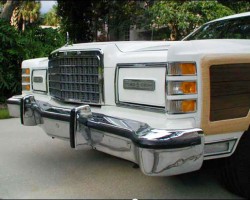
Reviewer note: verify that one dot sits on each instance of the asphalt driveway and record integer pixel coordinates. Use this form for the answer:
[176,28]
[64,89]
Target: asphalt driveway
[32,165]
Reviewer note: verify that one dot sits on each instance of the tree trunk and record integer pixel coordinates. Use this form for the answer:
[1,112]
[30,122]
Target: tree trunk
[9,6]
[23,25]
[174,33]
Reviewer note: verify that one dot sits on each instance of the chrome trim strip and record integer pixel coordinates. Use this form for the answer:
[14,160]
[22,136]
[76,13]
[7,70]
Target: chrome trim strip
[141,107]
[46,81]
[135,105]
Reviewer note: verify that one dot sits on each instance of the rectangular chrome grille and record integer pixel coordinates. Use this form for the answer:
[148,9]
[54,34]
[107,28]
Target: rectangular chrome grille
[76,76]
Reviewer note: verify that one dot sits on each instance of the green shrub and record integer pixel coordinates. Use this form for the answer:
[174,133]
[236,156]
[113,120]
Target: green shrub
[4,113]
[10,61]
[17,46]
[38,42]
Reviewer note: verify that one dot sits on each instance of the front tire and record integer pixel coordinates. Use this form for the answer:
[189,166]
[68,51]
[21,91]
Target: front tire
[235,172]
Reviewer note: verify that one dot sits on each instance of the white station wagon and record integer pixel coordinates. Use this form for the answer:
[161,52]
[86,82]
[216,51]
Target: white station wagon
[166,106]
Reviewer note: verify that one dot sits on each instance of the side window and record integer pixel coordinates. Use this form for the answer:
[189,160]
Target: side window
[226,29]
[214,30]
[239,29]
[210,31]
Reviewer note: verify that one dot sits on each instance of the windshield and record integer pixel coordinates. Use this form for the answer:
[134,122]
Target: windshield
[238,28]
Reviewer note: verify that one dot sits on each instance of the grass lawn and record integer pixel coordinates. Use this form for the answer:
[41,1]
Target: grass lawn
[4,113]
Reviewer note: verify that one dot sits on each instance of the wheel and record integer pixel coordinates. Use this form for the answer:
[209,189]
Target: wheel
[235,172]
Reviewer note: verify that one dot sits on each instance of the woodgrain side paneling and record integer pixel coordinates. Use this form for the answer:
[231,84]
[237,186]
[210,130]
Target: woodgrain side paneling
[225,102]
[230,101]
[230,86]
[233,72]
[230,113]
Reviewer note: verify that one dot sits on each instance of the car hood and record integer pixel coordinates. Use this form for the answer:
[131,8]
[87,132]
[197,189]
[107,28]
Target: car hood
[128,46]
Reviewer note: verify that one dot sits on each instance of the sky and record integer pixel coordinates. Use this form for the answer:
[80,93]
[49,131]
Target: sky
[46,5]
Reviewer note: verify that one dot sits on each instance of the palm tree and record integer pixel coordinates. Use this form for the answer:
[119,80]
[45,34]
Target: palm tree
[28,12]
[8,8]
[51,18]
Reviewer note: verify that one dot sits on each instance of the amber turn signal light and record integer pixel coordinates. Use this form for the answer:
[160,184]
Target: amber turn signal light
[181,106]
[181,69]
[188,106]
[188,87]
[26,87]
[26,79]
[188,68]
[181,87]
[26,71]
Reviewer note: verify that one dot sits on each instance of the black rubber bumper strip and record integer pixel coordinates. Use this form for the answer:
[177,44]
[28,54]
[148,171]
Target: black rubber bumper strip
[72,128]
[21,111]
[55,116]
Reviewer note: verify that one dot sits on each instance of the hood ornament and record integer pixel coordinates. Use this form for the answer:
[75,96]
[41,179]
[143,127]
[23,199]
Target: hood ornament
[67,39]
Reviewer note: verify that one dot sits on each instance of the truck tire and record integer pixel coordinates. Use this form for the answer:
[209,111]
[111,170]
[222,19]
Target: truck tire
[235,172]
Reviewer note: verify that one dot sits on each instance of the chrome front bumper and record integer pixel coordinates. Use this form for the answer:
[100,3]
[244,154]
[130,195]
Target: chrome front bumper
[158,152]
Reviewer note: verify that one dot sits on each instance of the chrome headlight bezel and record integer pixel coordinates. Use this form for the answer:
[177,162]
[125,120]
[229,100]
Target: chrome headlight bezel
[181,88]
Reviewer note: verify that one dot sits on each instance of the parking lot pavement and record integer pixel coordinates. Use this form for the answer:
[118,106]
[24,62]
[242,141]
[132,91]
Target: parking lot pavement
[33,165]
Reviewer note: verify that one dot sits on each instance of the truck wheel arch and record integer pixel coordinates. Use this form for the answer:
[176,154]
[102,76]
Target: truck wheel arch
[234,172]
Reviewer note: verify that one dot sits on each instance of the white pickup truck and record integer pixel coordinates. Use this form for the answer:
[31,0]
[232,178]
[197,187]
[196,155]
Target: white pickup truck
[166,106]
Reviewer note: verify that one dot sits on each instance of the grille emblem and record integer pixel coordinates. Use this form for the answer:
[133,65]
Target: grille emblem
[134,84]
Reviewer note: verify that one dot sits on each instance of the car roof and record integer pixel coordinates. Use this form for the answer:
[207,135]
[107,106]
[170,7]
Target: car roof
[245,14]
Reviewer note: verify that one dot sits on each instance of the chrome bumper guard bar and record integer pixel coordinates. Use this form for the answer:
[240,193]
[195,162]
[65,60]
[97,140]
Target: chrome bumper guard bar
[158,152]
